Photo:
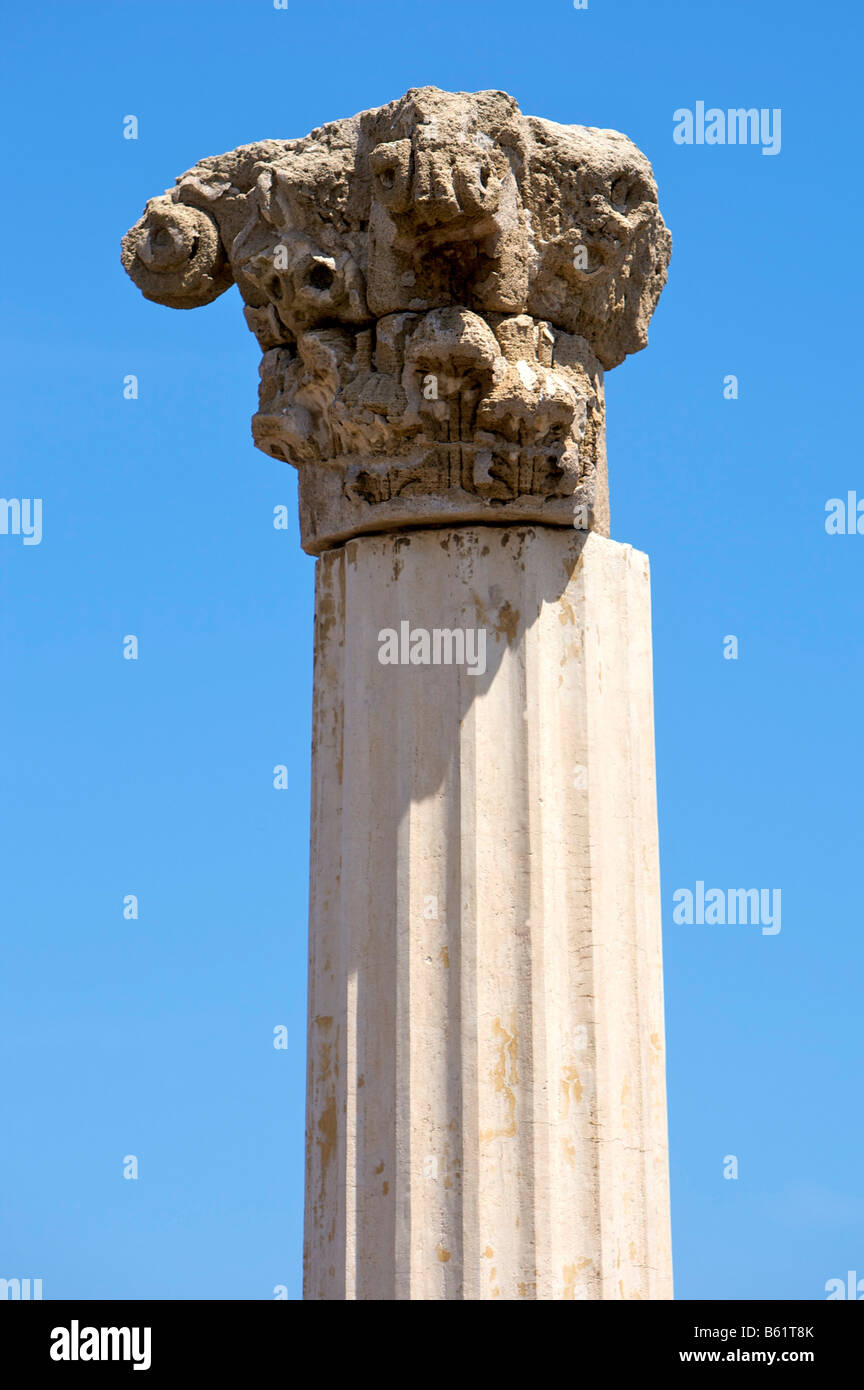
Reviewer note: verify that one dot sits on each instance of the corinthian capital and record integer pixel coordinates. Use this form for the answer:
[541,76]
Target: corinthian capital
[437,287]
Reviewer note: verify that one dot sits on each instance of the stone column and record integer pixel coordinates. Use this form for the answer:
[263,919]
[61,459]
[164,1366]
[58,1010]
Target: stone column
[438,286]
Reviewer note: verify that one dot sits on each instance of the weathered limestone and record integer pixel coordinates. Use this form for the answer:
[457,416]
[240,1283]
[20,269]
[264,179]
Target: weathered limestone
[486,1106]
[437,287]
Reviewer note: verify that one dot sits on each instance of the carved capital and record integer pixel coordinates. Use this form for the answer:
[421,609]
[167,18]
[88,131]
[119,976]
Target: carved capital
[437,287]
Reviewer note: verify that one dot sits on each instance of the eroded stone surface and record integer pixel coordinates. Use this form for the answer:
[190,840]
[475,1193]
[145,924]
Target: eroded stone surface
[437,286]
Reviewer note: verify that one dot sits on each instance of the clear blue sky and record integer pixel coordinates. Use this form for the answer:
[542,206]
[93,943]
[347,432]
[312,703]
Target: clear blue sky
[154,1037]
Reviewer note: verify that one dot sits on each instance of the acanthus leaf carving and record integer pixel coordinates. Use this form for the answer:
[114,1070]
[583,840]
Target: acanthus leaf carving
[437,287]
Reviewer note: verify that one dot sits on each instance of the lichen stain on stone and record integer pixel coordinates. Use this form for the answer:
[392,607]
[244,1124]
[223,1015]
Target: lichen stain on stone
[507,624]
[566,613]
[571,1274]
[327,616]
[444,957]
[380,1168]
[385,1188]
[443,1255]
[488,1253]
[573,651]
[504,1076]
[400,543]
[571,1087]
[327,1125]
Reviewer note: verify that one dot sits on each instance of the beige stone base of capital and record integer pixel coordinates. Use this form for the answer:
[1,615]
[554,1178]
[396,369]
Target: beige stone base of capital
[486,1102]
[330,513]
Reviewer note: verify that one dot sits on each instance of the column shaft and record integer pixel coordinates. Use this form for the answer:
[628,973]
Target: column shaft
[486,1101]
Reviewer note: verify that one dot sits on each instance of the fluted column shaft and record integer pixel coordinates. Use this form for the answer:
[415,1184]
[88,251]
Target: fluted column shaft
[486,1101]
